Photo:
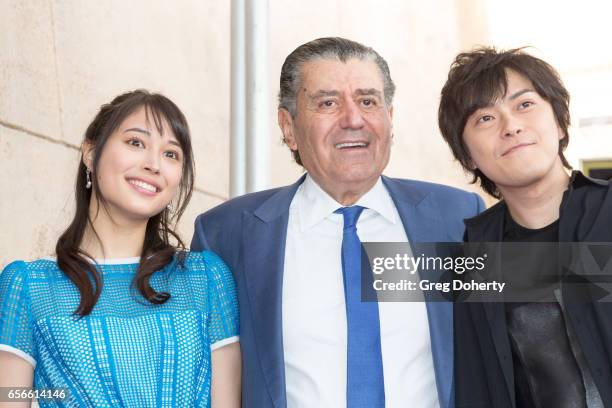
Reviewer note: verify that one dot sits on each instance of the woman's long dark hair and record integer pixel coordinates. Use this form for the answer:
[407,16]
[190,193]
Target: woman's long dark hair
[157,250]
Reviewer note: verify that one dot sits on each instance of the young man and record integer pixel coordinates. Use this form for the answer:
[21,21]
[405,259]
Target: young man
[505,116]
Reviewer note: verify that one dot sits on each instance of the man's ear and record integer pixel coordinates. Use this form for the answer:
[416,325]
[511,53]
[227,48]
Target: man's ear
[88,152]
[285,122]
[469,161]
[471,164]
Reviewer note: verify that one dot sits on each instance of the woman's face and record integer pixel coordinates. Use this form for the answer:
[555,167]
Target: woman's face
[140,168]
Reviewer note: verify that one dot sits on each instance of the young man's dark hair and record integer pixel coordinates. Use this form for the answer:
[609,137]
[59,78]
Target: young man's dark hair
[479,78]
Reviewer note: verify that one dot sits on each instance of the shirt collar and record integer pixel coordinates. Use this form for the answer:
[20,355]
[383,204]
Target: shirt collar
[379,200]
[314,204]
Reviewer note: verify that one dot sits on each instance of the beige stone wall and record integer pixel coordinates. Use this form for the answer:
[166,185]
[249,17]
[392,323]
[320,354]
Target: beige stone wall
[60,60]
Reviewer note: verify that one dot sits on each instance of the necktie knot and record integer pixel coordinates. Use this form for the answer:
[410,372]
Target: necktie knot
[351,215]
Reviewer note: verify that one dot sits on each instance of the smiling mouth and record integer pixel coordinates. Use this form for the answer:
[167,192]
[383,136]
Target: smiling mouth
[517,147]
[351,145]
[144,185]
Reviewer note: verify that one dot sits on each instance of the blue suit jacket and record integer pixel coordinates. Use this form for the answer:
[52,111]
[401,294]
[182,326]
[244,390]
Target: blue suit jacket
[249,234]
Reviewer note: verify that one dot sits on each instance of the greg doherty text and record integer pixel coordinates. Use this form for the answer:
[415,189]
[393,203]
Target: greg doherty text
[426,285]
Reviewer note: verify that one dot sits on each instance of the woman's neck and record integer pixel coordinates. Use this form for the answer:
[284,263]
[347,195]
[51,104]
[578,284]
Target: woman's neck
[113,237]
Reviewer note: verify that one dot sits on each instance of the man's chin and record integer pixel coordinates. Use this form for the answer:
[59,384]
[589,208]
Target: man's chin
[358,179]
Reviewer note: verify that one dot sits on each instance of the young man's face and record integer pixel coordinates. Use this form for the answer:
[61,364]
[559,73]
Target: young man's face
[515,142]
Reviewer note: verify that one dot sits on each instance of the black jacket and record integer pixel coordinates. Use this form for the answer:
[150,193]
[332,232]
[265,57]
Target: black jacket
[484,374]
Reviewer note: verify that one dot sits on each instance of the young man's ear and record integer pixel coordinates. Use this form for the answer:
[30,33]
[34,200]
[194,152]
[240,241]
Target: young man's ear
[471,164]
[88,152]
[285,122]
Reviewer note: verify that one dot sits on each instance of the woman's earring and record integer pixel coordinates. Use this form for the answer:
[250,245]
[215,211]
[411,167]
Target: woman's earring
[88,176]
[169,208]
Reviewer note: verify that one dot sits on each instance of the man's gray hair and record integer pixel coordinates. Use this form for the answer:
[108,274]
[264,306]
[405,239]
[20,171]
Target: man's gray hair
[326,48]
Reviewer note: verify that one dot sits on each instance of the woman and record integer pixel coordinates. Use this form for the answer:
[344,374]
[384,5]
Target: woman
[124,317]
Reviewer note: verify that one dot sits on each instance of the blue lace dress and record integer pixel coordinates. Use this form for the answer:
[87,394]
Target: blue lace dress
[127,352]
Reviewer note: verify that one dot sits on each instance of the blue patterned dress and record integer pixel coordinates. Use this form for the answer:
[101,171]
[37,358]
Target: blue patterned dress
[127,352]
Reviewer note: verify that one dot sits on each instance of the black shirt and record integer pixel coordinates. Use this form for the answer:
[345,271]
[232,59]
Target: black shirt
[546,372]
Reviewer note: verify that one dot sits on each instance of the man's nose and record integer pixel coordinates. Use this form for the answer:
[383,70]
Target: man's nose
[512,126]
[352,116]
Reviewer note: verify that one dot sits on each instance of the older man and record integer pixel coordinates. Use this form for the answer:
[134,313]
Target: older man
[307,339]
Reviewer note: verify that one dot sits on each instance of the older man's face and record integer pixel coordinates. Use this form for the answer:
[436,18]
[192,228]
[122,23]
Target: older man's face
[342,129]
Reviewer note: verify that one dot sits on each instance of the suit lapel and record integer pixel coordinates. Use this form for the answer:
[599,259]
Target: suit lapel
[423,222]
[264,237]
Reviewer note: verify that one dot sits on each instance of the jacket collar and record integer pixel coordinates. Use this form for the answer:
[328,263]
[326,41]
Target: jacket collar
[489,225]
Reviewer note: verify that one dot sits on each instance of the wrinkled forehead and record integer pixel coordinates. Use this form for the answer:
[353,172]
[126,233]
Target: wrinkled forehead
[333,74]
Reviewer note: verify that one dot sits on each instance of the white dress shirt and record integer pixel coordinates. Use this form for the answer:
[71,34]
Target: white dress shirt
[314,315]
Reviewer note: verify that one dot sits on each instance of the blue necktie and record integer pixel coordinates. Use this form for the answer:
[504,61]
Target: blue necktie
[365,386]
